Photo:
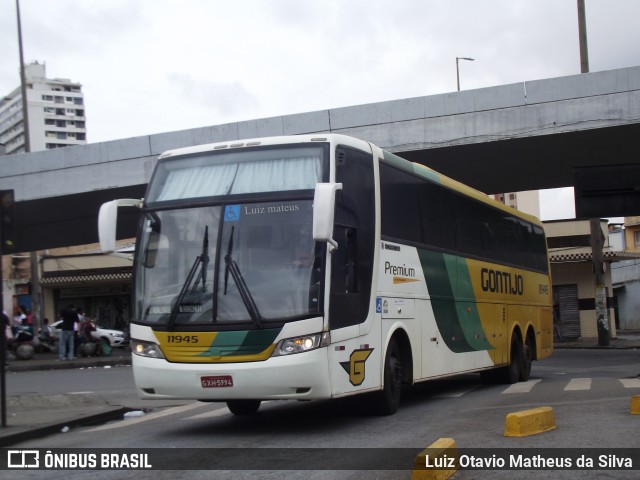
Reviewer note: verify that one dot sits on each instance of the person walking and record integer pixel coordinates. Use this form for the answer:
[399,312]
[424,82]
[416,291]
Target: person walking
[67,335]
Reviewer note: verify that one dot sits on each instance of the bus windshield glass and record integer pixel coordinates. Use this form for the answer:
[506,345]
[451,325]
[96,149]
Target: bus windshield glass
[223,261]
[233,172]
[265,268]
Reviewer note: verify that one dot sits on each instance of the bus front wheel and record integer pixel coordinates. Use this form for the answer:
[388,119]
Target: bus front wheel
[243,407]
[386,402]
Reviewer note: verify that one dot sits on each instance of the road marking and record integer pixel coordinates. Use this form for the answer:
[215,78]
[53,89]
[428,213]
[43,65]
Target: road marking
[148,417]
[212,414]
[630,382]
[522,387]
[578,384]
[454,393]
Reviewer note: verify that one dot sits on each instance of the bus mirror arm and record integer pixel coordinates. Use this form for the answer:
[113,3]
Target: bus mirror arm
[324,202]
[108,219]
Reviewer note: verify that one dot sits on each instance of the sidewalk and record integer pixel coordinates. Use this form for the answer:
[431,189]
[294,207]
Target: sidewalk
[49,361]
[33,416]
[625,339]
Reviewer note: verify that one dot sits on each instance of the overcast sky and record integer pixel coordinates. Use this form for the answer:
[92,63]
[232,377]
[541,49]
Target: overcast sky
[151,66]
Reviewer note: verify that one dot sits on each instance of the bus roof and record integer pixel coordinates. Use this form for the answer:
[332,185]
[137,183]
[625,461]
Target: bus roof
[282,140]
[415,168]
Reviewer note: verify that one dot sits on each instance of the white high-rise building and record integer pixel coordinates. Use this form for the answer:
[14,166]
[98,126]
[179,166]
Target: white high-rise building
[56,113]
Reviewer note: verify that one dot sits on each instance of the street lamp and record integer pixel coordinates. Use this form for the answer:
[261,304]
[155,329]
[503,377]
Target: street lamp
[458,68]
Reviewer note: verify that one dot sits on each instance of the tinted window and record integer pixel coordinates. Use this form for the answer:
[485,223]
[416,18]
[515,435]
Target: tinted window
[352,262]
[420,212]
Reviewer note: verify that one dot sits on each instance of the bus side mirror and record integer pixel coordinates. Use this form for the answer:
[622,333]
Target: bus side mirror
[108,220]
[324,202]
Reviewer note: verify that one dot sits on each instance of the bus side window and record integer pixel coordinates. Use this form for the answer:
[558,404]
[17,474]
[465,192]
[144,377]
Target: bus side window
[354,230]
[351,279]
[345,260]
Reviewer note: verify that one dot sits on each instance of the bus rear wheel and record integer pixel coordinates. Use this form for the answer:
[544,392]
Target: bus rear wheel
[527,359]
[386,402]
[511,373]
[243,407]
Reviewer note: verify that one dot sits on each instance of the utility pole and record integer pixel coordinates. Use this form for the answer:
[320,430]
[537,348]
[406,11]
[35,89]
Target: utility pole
[23,85]
[582,34]
[3,328]
[36,295]
[602,313]
[7,245]
[597,257]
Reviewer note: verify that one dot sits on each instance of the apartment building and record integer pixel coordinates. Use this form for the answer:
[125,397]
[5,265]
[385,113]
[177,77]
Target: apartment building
[56,113]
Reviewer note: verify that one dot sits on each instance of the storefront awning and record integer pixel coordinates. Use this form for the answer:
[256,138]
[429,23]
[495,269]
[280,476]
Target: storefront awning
[585,256]
[85,277]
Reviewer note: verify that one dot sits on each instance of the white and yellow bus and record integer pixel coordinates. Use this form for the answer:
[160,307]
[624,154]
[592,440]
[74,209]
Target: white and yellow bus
[315,267]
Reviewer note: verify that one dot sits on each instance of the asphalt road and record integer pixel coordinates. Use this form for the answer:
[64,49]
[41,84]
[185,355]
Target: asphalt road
[589,390]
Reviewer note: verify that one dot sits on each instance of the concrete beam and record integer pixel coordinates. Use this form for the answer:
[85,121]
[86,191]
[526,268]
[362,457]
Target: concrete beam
[538,108]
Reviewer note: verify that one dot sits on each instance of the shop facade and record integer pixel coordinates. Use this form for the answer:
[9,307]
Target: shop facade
[99,284]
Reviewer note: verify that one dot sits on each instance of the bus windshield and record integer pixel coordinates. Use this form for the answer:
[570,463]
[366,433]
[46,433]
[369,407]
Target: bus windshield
[266,267]
[236,256]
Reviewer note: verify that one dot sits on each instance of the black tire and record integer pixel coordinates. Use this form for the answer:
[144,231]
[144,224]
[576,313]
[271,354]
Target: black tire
[243,407]
[527,359]
[511,373]
[387,401]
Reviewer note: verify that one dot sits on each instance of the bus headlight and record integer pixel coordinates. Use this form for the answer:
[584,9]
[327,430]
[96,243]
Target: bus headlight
[289,346]
[146,349]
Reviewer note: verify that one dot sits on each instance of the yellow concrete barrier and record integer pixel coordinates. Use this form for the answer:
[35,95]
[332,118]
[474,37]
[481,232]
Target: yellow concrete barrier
[529,422]
[442,456]
[635,405]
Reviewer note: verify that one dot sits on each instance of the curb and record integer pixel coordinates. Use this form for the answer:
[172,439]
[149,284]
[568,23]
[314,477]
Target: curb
[443,461]
[25,366]
[595,347]
[37,432]
[530,422]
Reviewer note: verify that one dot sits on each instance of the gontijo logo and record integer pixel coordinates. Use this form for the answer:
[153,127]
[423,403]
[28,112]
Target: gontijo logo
[355,366]
[495,281]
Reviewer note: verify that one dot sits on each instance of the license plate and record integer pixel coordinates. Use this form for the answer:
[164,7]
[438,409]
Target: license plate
[216,381]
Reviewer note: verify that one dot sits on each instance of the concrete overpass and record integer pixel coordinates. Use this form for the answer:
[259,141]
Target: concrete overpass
[582,129]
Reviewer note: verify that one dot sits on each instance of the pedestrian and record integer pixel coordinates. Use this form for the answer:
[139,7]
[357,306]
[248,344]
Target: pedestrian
[85,329]
[557,334]
[18,318]
[26,318]
[78,334]
[68,327]
[8,335]
[88,346]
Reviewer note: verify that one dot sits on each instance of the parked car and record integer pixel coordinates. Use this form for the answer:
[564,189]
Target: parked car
[115,338]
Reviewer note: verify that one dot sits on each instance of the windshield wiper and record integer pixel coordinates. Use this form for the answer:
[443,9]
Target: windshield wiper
[243,289]
[202,259]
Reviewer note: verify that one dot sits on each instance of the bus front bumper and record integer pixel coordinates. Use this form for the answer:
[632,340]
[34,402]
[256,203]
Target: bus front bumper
[302,376]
